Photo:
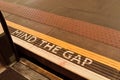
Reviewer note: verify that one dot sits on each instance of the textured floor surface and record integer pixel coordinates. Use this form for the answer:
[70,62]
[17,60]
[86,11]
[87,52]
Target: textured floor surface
[98,12]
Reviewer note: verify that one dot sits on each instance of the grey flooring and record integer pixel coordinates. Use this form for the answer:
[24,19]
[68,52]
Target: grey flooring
[102,12]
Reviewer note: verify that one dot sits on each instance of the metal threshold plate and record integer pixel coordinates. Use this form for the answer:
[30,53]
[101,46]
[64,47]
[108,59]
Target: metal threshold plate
[26,70]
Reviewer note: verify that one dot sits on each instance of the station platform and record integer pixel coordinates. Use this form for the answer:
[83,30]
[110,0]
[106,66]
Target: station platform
[82,37]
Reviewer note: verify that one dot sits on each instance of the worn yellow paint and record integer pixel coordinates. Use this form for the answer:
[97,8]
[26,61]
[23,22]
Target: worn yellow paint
[95,56]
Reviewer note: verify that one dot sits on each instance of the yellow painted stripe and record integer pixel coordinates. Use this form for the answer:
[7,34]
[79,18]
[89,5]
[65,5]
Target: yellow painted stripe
[104,60]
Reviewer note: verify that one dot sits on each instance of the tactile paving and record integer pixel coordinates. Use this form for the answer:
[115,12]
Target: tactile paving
[96,32]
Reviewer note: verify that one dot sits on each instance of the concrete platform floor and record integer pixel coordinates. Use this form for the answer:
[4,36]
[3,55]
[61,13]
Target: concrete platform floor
[98,12]
[103,12]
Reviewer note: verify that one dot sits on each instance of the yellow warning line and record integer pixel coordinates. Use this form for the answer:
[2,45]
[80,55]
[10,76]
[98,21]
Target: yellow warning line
[86,53]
